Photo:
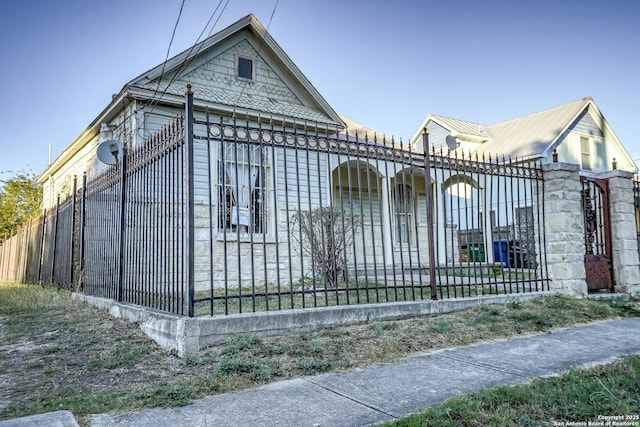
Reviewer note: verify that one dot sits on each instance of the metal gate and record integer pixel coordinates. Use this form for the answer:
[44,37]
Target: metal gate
[597,234]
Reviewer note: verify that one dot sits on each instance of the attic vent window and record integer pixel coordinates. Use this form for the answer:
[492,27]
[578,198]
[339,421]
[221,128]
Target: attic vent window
[245,68]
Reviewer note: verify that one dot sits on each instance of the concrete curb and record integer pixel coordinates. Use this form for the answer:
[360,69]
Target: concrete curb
[185,335]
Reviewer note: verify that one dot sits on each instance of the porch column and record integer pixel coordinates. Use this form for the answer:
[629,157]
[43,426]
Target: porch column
[624,239]
[564,229]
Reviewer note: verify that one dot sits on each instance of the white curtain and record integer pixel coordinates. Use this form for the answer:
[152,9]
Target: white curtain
[241,177]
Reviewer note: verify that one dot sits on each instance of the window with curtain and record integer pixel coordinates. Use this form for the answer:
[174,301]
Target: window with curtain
[244,187]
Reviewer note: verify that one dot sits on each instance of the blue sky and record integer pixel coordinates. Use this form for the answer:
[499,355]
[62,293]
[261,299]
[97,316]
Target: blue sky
[385,64]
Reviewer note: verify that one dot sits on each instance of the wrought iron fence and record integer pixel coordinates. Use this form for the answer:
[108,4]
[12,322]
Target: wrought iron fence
[212,216]
[297,217]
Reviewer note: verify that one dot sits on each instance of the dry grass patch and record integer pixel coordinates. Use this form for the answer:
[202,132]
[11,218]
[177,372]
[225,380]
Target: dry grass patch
[60,353]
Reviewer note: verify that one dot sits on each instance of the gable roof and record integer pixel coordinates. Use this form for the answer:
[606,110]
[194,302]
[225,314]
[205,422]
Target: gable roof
[301,102]
[534,134]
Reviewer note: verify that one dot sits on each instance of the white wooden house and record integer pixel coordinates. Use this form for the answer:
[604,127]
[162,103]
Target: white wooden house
[242,75]
[575,133]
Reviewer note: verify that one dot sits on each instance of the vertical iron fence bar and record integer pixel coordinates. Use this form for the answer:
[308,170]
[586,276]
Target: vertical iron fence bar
[300,231]
[166,229]
[412,224]
[251,187]
[310,200]
[290,232]
[439,200]
[225,210]
[455,228]
[236,216]
[123,199]
[135,271]
[351,219]
[430,230]
[384,238]
[369,153]
[288,214]
[542,224]
[210,196]
[416,222]
[141,282]
[518,239]
[363,162]
[147,224]
[176,213]
[72,233]
[512,210]
[188,130]
[403,206]
[487,180]
[390,243]
[155,219]
[274,205]
[503,181]
[474,188]
[83,213]
[340,143]
[263,218]
[399,193]
[321,197]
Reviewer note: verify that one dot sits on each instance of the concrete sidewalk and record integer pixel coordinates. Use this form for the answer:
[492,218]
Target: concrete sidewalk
[383,393]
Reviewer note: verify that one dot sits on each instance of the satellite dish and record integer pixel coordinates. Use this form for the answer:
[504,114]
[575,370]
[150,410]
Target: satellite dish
[109,151]
[451,142]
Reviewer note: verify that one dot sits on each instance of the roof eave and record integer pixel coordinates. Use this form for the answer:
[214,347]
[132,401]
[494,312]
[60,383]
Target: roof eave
[83,139]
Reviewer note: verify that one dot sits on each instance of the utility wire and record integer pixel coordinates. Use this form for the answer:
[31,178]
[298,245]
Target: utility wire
[166,58]
[155,99]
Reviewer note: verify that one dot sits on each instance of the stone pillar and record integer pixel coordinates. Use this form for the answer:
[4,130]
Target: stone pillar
[564,229]
[624,240]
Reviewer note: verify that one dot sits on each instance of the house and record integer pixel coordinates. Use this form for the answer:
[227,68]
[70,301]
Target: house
[577,132]
[245,193]
[269,156]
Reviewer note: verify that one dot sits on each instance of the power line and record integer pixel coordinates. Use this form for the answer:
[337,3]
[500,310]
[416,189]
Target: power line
[166,58]
[155,98]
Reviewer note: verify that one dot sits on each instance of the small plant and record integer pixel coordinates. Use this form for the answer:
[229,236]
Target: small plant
[326,234]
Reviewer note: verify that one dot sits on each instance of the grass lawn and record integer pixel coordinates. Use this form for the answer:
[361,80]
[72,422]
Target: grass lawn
[59,353]
[605,393]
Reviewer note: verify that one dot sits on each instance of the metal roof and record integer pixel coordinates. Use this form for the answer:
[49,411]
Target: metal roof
[462,127]
[532,135]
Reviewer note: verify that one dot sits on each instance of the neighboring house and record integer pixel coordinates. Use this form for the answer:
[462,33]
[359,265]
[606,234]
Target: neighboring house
[576,131]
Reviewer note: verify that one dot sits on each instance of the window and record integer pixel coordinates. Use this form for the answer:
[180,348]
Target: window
[585,150]
[244,188]
[404,214]
[245,68]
